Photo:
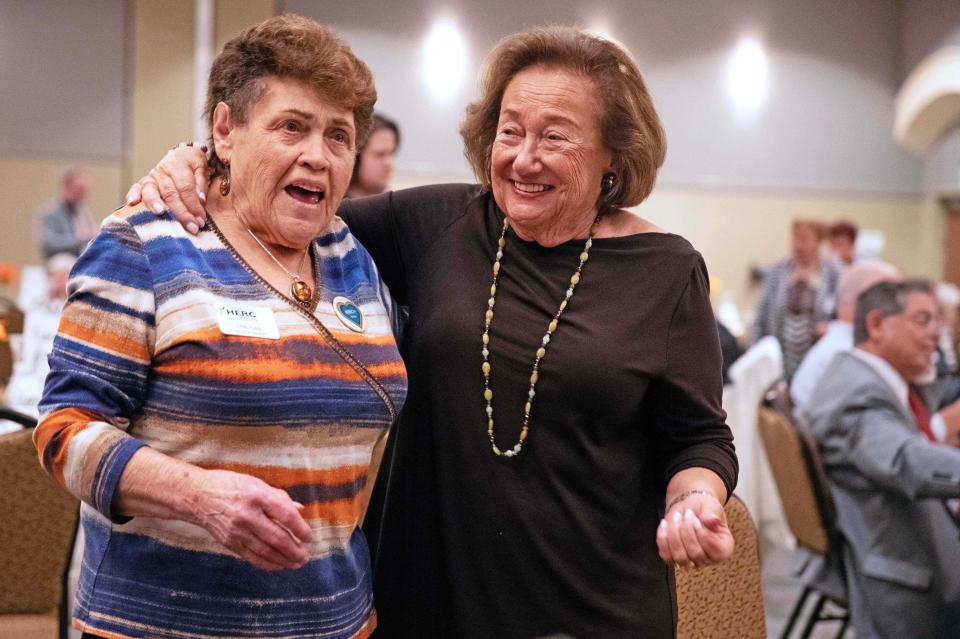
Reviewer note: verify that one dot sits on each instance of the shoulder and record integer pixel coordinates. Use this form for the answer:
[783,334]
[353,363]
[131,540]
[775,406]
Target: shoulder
[450,198]
[453,196]
[622,223]
[147,225]
[49,207]
[340,244]
[848,382]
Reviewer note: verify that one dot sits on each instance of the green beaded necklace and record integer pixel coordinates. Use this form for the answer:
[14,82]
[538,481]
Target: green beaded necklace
[541,351]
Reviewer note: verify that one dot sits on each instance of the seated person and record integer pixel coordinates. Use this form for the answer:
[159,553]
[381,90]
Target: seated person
[839,336]
[857,278]
[39,329]
[888,479]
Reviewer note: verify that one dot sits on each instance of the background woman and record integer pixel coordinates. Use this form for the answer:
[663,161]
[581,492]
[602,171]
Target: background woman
[215,399]
[374,167]
[564,361]
[799,296]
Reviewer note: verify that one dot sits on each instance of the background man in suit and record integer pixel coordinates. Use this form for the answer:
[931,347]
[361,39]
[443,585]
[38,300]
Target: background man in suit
[66,224]
[889,478]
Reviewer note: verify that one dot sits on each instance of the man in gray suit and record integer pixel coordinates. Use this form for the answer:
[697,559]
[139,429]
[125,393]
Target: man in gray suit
[889,480]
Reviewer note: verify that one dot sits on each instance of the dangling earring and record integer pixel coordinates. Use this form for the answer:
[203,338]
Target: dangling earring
[225,181]
[607,182]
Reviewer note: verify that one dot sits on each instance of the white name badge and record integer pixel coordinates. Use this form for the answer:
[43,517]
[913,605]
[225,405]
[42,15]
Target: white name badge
[247,321]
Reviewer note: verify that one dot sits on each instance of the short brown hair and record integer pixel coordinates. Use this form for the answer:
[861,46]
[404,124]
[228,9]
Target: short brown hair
[629,126]
[844,229]
[890,298]
[288,46]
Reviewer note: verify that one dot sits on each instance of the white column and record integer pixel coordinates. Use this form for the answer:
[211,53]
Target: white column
[203,42]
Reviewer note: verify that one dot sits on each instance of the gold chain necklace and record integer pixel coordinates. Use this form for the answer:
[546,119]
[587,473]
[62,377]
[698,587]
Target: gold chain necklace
[541,351]
[299,290]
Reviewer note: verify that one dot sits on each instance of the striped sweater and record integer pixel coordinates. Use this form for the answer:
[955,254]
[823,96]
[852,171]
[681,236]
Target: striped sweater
[140,360]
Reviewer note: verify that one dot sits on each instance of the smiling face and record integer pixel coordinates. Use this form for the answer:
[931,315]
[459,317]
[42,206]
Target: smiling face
[548,160]
[290,162]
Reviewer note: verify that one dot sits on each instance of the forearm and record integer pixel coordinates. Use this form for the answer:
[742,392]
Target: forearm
[155,485]
[694,481]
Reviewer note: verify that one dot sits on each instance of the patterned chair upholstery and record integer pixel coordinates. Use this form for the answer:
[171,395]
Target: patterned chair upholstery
[725,601]
[36,537]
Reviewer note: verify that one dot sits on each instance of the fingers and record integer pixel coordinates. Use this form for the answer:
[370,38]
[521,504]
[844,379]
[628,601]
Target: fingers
[187,167]
[684,540]
[689,537]
[261,540]
[677,551]
[717,545]
[177,184]
[287,515]
[252,519]
[261,556]
[133,195]
[181,166]
[150,195]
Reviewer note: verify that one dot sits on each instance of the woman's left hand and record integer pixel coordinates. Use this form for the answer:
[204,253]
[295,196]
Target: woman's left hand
[694,533]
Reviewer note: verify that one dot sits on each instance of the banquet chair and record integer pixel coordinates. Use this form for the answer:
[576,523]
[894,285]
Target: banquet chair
[725,601]
[37,533]
[808,508]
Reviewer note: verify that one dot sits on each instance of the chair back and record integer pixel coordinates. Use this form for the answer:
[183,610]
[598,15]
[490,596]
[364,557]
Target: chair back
[797,471]
[725,601]
[36,530]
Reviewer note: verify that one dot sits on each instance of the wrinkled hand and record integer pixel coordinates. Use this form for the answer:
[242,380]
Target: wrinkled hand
[259,523]
[178,184]
[694,533]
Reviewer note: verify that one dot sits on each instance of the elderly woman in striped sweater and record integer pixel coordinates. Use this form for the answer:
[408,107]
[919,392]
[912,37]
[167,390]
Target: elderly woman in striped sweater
[215,400]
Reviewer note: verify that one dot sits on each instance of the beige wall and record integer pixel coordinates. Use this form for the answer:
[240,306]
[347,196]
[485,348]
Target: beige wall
[737,230]
[27,183]
[233,16]
[161,89]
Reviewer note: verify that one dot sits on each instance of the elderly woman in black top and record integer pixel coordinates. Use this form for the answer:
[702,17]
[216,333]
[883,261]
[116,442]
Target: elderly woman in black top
[562,436]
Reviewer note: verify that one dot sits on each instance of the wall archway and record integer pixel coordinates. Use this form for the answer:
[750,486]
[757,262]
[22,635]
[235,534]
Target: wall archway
[928,104]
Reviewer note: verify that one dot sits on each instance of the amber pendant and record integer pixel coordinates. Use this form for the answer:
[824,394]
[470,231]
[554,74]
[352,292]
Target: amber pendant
[301,291]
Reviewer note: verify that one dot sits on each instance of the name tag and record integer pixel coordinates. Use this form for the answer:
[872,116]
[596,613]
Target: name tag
[247,321]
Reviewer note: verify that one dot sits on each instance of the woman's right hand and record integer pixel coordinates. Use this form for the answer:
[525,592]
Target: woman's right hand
[177,184]
[261,524]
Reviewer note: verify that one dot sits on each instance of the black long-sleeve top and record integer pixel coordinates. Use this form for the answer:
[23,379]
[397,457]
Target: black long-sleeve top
[562,538]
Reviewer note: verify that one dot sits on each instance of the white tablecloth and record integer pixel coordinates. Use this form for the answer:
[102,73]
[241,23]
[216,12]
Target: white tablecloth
[750,376]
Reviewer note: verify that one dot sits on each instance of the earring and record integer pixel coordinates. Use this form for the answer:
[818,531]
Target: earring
[607,182]
[225,181]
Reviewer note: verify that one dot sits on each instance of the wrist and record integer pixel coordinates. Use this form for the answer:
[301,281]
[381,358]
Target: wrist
[189,503]
[686,494]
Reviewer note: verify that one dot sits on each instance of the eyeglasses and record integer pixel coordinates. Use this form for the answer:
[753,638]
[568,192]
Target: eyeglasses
[925,319]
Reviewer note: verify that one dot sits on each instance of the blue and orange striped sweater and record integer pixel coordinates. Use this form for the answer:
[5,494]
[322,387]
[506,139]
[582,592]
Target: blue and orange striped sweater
[140,360]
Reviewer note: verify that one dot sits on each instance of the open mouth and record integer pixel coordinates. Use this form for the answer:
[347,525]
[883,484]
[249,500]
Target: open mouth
[304,193]
[531,188]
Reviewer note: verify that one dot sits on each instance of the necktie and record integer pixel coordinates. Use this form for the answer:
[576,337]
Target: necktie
[920,414]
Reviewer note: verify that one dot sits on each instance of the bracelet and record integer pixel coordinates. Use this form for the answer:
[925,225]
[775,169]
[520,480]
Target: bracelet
[676,500]
[202,147]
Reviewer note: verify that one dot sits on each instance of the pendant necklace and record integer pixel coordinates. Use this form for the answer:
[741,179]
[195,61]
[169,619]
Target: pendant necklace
[299,290]
[541,351]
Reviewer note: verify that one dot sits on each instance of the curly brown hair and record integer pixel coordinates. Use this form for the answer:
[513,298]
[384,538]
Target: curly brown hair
[288,46]
[629,125]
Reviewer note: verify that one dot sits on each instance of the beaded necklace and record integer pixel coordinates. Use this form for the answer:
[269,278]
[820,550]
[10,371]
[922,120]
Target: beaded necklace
[541,351]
